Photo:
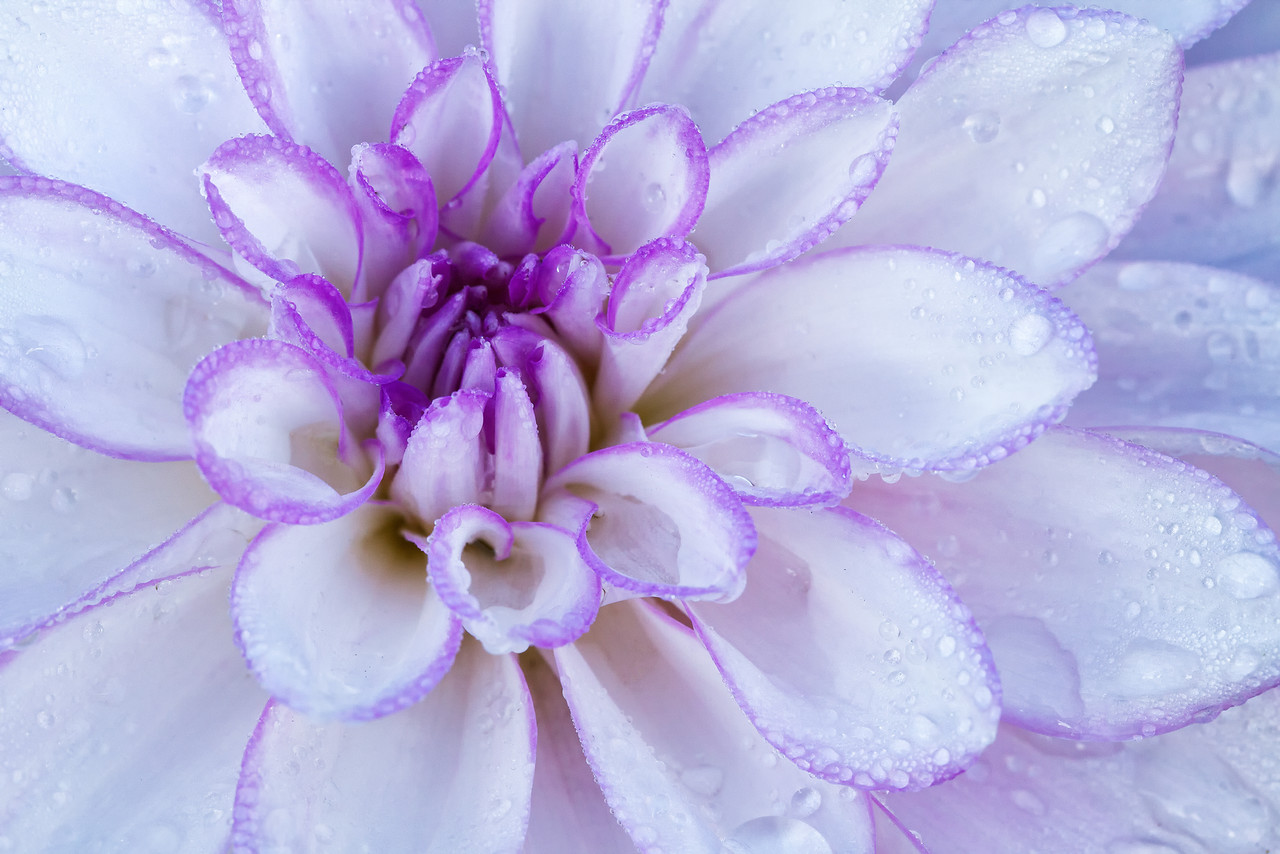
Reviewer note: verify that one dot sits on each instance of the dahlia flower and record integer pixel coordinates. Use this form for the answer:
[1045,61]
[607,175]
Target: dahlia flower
[605,427]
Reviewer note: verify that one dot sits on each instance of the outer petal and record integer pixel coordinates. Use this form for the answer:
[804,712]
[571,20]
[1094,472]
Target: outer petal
[285,210]
[1122,592]
[1033,143]
[122,726]
[727,61]
[664,524]
[105,313]
[790,175]
[267,425]
[1255,29]
[451,773]
[1220,203]
[119,511]
[60,100]
[325,73]
[852,655]
[934,361]
[680,766]
[1210,788]
[587,57]
[1182,346]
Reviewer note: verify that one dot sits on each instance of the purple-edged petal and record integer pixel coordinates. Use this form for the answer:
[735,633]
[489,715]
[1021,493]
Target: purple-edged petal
[447,460]
[655,183]
[573,285]
[338,620]
[680,766]
[772,449]
[790,175]
[852,655]
[118,510]
[284,209]
[267,425]
[105,314]
[568,67]
[60,101]
[727,61]
[122,727]
[1182,346]
[1253,30]
[517,451]
[1123,593]
[534,213]
[1220,202]
[564,409]
[664,524]
[1033,143]
[1204,788]
[451,773]
[398,212]
[511,584]
[654,296]
[920,358]
[324,73]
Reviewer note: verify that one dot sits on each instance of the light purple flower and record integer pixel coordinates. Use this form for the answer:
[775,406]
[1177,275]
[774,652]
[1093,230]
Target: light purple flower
[535,389]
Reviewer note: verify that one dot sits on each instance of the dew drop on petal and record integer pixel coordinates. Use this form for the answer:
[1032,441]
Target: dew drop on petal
[1075,239]
[1030,333]
[982,126]
[805,802]
[1246,575]
[775,835]
[1045,28]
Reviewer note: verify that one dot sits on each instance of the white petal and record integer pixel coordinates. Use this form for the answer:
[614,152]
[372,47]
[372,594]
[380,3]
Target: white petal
[105,314]
[337,619]
[681,767]
[852,655]
[323,73]
[1182,346]
[446,461]
[1220,202]
[1123,593]
[61,90]
[727,61]
[567,67]
[449,774]
[1034,143]
[123,727]
[919,358]
[1254,29]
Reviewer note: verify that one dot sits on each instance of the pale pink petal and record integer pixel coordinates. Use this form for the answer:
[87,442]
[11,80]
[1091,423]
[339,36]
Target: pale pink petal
[1182,346]
[60,101]
[568,67]
[107,314]
[338,620]
[123,726]
[449,774]
[285,210]
[654,296]
[1220,202]
[267,425]
[726,61]
[852,655]
[446,461]
[323,73]
[1123,593]
[663,525]
[790,175]
[1033,143]
[772,449]
[681,768]
[511,584]
[644,177]
[921,359]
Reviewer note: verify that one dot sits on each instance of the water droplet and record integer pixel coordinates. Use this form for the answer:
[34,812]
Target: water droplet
[17,486]
[982,126]
[805,802]
[1150,668]
[1037,198]
[1030,333]
[655,197]
[775,835]
[704,780]
[1246,575]
[1045,28]
[1027,801]
[1073,240]
[1106,124]
[193,94]
[52,344]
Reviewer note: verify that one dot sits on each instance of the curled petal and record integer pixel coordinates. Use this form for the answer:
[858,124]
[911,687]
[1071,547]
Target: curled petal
[573,285]
[1033,143]
[450,773]
[790,175]
[511,584]
[267,426]
[398,212]
[664,524]
[533,215]
[655,184]
[337,619]
[852,655]
[921,359]
[1123,593]
[772,449]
